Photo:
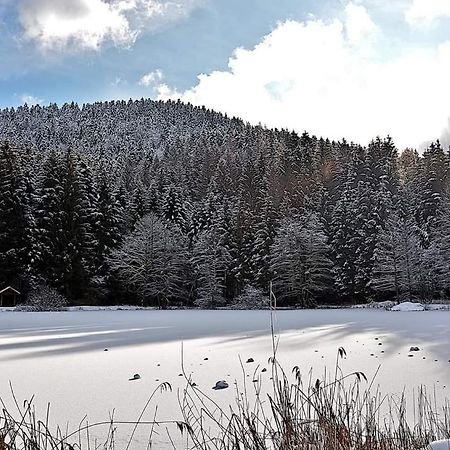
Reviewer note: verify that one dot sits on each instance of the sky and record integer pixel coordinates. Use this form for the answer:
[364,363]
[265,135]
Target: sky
[335,68]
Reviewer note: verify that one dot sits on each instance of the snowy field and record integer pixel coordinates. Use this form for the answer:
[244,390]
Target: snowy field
[60,357]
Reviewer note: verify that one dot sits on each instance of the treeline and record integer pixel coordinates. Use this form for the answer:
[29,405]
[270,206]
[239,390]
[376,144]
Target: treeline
[164,203]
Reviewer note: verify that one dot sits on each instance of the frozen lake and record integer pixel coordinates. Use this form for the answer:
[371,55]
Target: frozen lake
[60,357]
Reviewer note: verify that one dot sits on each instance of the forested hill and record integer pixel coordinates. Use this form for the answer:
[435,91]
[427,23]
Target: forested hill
[166,203]
[109,127]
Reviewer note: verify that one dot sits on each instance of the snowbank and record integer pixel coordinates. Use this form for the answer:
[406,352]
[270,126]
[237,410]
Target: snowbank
[105,308]
[437,307]
[408,306]
[387,305]
[390,305]
[20,308]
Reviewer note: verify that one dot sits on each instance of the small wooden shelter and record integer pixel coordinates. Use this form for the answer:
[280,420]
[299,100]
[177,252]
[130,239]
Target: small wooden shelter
[8,296]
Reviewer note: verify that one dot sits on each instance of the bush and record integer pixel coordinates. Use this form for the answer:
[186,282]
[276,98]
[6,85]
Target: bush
[42,297]
[251,298]
[209,301]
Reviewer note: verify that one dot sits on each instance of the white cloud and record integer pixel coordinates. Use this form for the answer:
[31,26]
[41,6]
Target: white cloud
[30,99]
[358,23]
[425,12]
[82,22]
[319,77]
[152,79]
[118,81]
[90,23]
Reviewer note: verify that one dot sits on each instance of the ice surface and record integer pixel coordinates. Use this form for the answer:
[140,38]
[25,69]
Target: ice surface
[60,357]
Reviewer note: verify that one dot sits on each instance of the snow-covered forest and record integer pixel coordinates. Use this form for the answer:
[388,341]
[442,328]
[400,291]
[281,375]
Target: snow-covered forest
[162,203]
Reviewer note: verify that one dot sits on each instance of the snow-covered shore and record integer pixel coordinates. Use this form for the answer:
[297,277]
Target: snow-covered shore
[387,305]
[406,306]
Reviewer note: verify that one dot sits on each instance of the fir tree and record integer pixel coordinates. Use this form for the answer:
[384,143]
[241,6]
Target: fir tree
[211,261]
[14,219]
[300,263]
[398,260]
[152,262]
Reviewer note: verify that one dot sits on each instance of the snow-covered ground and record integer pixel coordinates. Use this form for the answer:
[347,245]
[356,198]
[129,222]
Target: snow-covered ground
[61,357]
[406,306]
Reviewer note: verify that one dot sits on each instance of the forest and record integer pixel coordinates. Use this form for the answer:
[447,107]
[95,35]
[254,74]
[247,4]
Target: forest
[166,204]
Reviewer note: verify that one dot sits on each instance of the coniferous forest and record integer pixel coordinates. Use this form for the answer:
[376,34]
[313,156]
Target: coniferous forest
[163,203]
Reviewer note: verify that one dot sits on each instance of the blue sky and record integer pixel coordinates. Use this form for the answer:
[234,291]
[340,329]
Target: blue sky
[335,67]
[181,48]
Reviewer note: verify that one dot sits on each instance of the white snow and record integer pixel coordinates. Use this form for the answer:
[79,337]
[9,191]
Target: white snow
[388,304]
[60,357]
[107,308]
[437,307]
[439,445]
[408,306]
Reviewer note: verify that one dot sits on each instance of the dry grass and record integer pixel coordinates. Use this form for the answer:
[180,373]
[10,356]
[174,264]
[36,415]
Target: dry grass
[338,414]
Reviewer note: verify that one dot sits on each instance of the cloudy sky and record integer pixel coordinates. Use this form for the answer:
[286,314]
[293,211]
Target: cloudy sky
[337,68]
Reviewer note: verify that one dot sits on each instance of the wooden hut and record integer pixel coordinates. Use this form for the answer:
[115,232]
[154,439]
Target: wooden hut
[8,296]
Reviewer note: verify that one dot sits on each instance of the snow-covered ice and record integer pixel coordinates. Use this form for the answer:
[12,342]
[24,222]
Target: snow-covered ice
[60,357]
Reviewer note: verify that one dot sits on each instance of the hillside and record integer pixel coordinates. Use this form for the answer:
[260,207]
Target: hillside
[166,203]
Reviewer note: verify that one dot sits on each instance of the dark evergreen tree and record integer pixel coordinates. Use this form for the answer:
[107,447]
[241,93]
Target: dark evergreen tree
[15,220]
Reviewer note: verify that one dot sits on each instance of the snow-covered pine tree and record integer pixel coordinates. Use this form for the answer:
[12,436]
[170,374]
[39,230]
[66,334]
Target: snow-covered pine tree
[300,264]
[109,223]
[77,232]
[432,181]
[152,262]
[50,220]
[398,260]
[138,207]
[437,255]
[265,232]
[343,240]
[174,208]
[211,261]
[14,219]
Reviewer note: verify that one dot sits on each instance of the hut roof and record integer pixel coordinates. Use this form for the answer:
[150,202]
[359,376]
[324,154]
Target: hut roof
[9,289]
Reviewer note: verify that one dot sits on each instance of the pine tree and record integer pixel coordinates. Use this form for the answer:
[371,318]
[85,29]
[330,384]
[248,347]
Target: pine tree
[398,260]
[77,230]
[50,220]
[14,219]
[265,232]
[108,225]
[152,262]
[211,261]
[432,182]
[301,267]
[344,241]
[437,255]
[174,209]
